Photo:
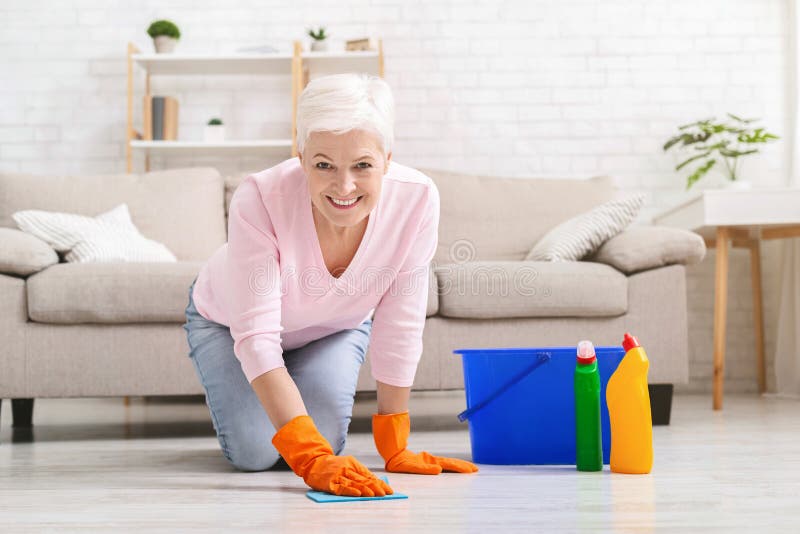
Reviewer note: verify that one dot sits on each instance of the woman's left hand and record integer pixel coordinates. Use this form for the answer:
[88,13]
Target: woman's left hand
[391,431]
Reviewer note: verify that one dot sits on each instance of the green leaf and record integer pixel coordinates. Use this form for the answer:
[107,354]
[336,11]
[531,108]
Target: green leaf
[699,156]
[672,142]
[687,139]
[734,130]
[699,173]
[756,137]
[728,153]
[731,115]
[698,123]
[721,144]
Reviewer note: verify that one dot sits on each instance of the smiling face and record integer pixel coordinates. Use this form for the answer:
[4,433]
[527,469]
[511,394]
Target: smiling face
[344,167]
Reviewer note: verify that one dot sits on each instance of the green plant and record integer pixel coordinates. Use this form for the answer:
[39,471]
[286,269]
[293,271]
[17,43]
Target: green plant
[724,139]
[319,35]
[215,122]
[164,27]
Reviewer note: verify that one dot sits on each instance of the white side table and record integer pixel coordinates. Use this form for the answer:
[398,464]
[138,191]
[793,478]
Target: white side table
[739,218]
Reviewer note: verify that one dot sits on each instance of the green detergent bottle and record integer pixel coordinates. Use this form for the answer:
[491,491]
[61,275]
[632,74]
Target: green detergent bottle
[588,437]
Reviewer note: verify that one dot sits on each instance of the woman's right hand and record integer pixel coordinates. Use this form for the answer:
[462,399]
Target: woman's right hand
[311,457]
[344,475]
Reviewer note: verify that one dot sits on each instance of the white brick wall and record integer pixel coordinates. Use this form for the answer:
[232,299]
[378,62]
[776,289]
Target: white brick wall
[517,88]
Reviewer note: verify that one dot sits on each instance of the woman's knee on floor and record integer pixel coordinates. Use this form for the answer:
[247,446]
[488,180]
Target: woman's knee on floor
[249,456]
[248,445]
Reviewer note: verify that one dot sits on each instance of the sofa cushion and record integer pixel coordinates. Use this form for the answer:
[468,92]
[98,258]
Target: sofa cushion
[642,247]
[500,289]
[494,218]
[182,208]
[69,293]
[23,254]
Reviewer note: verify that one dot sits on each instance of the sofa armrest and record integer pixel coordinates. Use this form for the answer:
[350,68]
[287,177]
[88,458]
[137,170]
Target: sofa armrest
[13,319]
[642,247]
[23,254]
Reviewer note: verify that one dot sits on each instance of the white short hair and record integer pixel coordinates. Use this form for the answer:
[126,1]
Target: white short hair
[339,103]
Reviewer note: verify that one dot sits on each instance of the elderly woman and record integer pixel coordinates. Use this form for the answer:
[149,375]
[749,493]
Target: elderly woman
[328,253]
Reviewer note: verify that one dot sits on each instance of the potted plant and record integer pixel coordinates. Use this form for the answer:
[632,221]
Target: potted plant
[319,43]
[708,140]
[165,35]
[215,131]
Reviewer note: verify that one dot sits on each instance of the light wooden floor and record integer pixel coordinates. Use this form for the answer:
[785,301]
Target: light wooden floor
[96,466]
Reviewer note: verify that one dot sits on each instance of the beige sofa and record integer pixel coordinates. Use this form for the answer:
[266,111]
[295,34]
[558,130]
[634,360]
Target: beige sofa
[81,330]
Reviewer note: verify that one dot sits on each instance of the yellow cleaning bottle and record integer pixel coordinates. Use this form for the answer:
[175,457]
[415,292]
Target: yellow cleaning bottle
[629,411]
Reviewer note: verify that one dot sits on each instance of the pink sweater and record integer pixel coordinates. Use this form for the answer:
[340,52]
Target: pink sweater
[269,282]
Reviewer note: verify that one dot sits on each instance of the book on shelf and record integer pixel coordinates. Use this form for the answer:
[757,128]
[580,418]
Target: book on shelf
[170,119]
[160,118]
[147,118]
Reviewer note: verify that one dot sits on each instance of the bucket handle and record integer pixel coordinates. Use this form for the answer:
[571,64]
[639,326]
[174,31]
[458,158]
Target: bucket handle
[542,357]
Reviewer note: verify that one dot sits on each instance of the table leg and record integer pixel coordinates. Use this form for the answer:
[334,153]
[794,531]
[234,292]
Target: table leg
[758,318]
[720,311]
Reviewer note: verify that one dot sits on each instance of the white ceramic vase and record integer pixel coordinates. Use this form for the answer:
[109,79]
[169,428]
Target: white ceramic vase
[214,133]
[164,44]
[319,46]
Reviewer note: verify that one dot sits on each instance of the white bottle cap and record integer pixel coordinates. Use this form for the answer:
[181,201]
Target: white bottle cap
[586,352]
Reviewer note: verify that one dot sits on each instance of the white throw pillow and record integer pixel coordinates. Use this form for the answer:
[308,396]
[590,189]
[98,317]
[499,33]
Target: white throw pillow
[109,237]
[581,235]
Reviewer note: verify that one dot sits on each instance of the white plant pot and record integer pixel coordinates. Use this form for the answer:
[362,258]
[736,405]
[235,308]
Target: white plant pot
[319,46]
[164,44]
[214,133]
[739,185]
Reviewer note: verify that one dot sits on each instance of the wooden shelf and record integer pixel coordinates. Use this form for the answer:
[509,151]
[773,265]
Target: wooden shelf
[296,65]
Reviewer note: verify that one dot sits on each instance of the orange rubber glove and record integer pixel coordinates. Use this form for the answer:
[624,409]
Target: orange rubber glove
[391,437]
[311,457]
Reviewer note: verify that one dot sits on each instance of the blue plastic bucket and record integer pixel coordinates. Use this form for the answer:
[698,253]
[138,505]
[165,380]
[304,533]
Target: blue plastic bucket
[521,403]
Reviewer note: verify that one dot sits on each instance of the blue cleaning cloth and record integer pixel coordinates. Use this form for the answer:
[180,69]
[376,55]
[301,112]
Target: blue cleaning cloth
[323,496]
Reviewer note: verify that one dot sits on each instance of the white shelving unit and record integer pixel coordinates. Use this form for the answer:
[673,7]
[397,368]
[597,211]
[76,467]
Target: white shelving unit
[297,65]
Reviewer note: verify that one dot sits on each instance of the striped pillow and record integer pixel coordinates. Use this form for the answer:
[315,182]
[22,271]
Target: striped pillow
[580,236]
[109,237]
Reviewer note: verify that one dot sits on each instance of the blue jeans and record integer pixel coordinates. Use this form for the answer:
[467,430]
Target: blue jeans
[325,372]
